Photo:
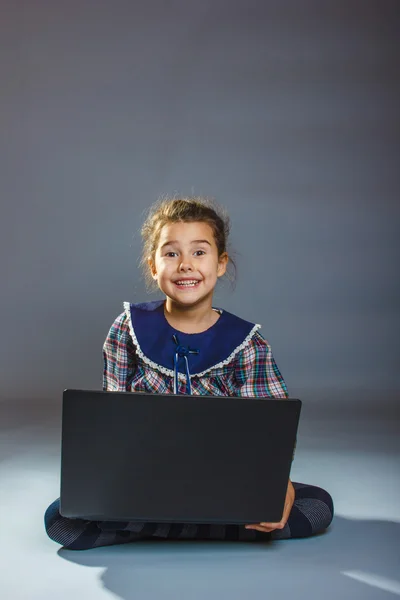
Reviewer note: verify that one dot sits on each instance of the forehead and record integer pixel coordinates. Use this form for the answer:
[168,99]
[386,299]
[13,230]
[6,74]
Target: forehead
[186,232]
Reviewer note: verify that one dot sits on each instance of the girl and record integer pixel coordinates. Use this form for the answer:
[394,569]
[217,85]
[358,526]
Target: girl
[184,345]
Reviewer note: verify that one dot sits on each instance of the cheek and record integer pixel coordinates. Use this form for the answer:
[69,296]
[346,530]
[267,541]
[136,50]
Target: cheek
[212,269]
[164,269]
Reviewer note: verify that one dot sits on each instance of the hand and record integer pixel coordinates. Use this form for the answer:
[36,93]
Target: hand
[267,527]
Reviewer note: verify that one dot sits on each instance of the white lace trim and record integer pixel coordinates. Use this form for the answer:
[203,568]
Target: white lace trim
[181,376]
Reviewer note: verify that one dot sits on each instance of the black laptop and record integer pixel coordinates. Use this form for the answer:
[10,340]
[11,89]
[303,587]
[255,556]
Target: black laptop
[174,458]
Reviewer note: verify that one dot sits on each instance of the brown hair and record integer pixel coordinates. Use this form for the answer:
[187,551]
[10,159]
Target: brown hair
[186,209]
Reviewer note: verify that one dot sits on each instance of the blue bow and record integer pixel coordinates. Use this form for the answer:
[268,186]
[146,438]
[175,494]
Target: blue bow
[182,352]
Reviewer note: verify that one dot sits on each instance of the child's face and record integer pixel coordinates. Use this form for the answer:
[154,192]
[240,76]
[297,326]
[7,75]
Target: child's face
[187,265]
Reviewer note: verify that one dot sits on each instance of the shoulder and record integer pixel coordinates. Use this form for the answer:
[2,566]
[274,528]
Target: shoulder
[247,332]
[121,329]
[255,348]
[122,323]
[118,337]
[243,343]
[119,326]
[259,342]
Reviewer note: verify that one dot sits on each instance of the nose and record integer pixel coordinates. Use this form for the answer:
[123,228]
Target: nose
[185,265]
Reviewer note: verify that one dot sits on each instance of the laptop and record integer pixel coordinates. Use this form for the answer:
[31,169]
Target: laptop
[130,456]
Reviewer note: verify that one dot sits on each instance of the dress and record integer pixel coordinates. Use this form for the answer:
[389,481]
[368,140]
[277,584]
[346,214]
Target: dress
[231,359]
[142,352]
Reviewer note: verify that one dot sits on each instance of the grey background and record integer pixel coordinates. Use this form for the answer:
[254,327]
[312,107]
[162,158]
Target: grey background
[285,112]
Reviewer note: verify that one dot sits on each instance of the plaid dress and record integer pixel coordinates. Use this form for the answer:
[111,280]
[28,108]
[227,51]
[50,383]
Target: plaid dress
[232,357]
[142,352]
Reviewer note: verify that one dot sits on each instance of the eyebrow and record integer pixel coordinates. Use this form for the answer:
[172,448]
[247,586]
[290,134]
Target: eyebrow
[171,242]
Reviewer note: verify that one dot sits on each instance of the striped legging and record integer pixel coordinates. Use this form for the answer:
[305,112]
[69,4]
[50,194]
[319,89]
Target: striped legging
[312,512]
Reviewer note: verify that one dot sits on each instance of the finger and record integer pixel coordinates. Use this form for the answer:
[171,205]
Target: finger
[260,528]
[271,526]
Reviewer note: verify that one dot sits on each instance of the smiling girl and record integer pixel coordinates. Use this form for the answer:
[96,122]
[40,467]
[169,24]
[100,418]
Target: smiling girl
[182,344]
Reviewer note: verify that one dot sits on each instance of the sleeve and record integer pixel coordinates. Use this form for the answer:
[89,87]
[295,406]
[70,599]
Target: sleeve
[256,371]
[119,361]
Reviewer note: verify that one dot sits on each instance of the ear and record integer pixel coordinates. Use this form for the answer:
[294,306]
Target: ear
[152,268]
[222,264]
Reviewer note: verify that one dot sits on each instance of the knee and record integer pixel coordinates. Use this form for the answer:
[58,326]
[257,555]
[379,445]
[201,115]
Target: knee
[64,531]
[324,510]
[54,523]
[314,509]
[51,515]
[325,497]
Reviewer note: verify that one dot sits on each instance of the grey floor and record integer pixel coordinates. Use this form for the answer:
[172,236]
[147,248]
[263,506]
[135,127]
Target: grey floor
[354,456]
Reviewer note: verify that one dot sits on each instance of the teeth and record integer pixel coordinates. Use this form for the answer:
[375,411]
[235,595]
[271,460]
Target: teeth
[187,283]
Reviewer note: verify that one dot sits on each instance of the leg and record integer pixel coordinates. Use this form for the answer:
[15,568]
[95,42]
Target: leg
[312,513]
[77,534]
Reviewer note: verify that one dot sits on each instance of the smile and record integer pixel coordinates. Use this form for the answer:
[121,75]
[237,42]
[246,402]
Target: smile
[187,283]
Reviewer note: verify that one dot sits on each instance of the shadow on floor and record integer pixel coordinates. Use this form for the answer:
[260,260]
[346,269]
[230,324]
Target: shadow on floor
[308,568]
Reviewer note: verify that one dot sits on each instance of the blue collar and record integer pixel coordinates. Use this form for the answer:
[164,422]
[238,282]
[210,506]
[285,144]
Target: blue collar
[155,337]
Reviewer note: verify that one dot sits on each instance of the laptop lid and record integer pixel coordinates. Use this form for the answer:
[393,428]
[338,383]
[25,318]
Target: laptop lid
[174,458]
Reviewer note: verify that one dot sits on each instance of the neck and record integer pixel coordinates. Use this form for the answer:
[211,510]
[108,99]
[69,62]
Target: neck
[190,319]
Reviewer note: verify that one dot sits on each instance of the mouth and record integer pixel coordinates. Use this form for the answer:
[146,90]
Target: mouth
[185,284]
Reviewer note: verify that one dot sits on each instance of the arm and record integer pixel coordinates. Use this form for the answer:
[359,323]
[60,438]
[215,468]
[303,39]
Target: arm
[289,501]
[119,361]
[257,374]
[260,377]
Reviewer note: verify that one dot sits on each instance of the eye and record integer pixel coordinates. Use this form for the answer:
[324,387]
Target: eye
[170,254]
[199,253]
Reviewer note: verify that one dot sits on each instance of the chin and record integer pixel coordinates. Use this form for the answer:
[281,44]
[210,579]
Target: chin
[185,301]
